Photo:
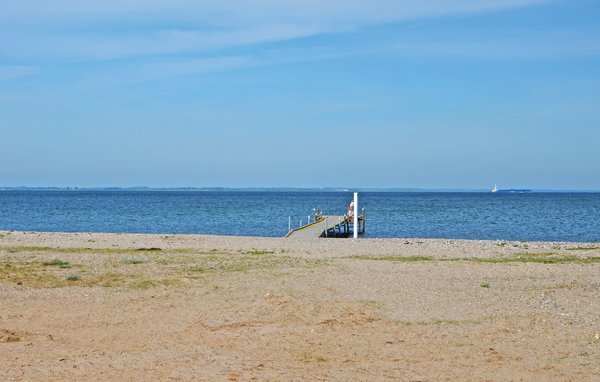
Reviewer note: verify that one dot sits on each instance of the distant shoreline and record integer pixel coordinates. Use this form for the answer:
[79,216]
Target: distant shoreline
[285,189]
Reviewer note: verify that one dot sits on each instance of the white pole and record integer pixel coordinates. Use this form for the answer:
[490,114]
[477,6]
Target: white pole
[355,225]
[289,223]
[308,219]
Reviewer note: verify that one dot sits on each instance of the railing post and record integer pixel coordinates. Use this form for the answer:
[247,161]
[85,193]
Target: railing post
[363,220]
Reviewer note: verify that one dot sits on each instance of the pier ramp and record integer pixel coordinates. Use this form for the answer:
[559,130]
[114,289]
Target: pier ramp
[321,227]
[331,225]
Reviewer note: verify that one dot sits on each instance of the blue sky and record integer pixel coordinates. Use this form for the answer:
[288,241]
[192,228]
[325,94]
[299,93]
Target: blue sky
[434,94]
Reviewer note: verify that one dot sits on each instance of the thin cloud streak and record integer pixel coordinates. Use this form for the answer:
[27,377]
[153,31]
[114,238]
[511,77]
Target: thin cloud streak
[163,42]
[472,49]
[152,70]
[260,11]
[523,49]
[74,30]
[10,72]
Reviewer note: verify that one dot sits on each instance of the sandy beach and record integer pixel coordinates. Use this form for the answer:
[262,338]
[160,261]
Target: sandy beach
[79,306]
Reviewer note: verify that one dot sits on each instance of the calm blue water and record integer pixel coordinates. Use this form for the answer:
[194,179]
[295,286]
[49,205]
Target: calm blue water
[533,217]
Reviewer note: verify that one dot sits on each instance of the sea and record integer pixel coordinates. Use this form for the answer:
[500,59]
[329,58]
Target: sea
[536,216]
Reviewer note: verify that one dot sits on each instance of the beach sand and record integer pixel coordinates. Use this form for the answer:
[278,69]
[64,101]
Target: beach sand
[78,306]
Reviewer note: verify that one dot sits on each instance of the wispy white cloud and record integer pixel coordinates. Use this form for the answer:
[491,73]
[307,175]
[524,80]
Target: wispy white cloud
[90,46]
[9,72]
[156,69]
[168,68]
[251,12]
[191,37]
[508,46]
[89,30]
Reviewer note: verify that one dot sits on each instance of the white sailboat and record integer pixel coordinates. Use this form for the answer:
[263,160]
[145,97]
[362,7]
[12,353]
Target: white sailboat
[495,189]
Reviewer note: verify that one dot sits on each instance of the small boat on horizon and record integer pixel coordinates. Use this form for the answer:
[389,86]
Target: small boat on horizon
[495,189]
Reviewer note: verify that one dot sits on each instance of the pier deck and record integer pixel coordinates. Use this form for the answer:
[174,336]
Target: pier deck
[320,227]
[316,229]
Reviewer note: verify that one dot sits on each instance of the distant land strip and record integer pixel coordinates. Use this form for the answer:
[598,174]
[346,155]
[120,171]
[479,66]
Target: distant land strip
[273,189]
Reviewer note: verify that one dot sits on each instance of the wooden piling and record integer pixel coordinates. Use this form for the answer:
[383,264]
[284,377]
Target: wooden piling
[363,220]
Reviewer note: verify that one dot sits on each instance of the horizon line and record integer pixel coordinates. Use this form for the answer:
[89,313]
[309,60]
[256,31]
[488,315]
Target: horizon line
[283,188]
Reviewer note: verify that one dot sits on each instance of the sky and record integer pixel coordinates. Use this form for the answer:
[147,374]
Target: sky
[300,93]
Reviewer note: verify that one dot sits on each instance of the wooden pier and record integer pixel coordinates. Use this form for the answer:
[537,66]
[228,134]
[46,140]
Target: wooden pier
[329,226]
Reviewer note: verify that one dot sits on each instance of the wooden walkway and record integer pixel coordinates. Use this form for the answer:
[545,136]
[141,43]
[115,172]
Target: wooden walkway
[318,228]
